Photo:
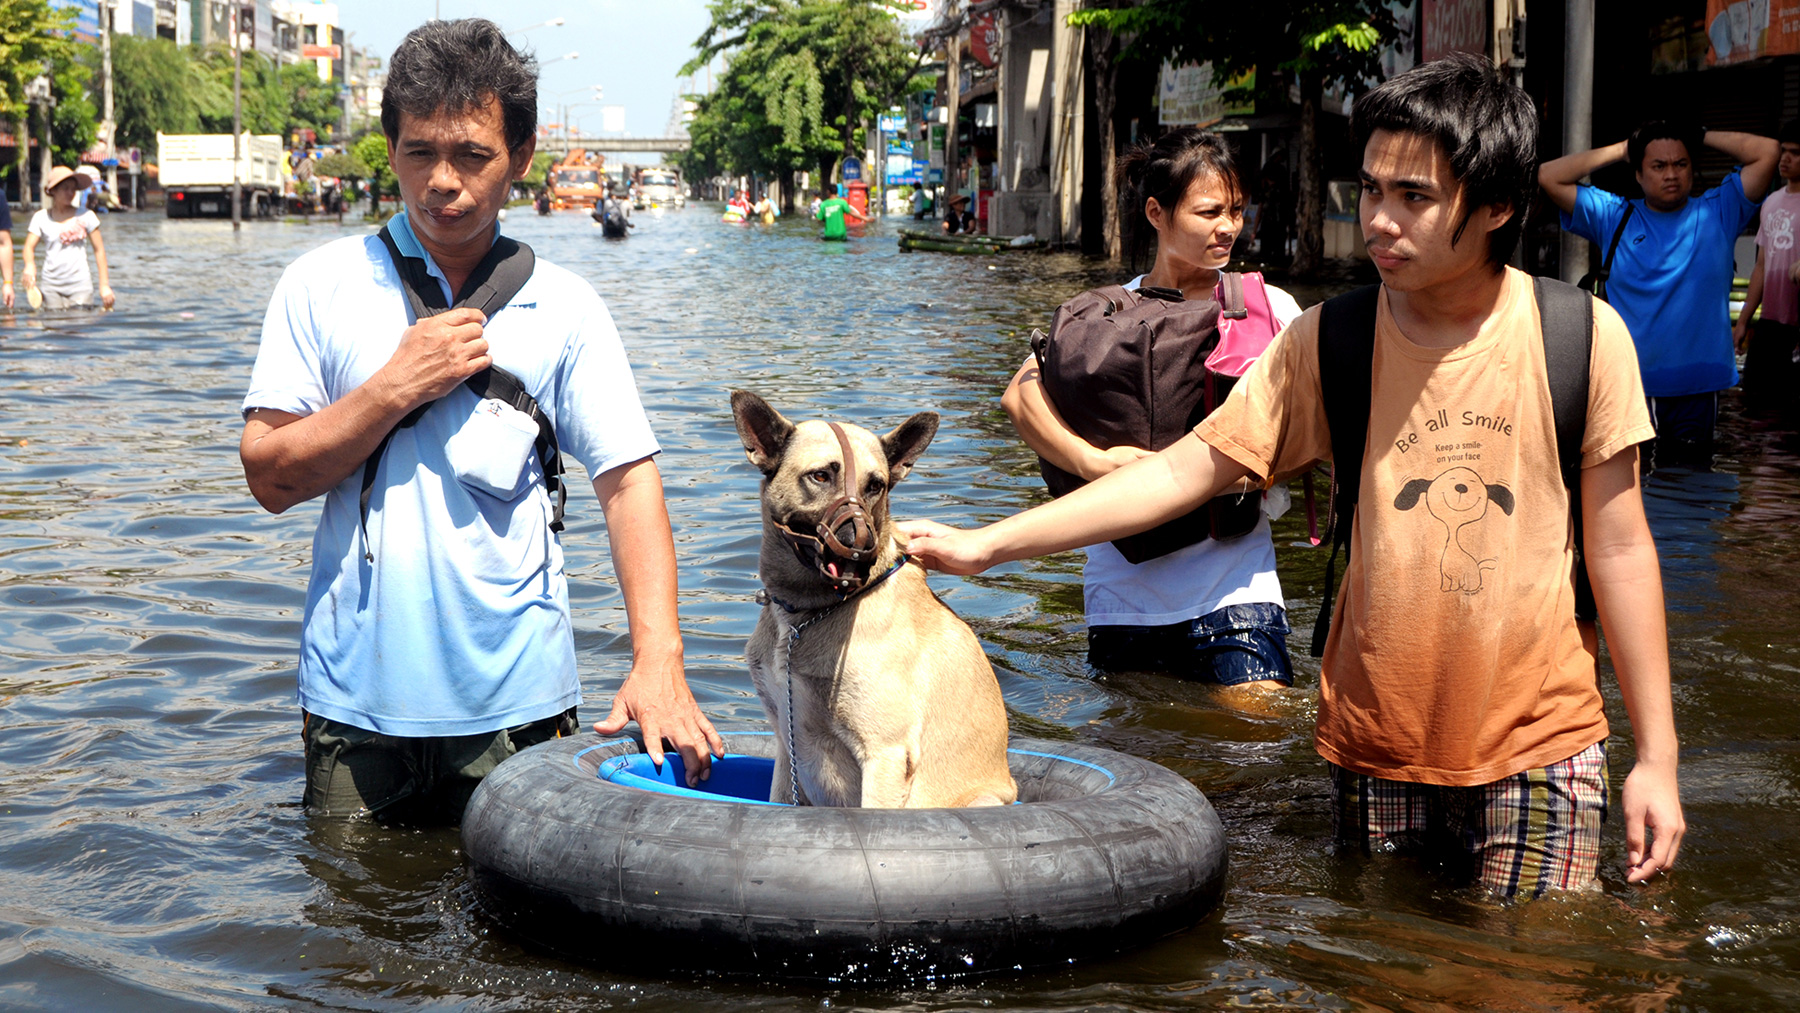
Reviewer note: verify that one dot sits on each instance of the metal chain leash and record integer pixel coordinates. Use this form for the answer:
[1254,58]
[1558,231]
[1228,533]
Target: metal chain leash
[793,640]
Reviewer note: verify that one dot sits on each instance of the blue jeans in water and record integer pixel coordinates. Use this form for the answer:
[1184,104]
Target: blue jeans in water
[1236,644]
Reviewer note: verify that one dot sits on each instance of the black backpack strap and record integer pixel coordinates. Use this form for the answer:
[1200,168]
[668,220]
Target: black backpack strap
[1346,373]
[1567,314]
[1595,281]
[505,269]
[494,382]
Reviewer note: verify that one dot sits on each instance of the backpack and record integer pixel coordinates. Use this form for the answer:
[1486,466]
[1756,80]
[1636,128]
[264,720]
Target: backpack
[1346,363]
[1145,367]
[493,283]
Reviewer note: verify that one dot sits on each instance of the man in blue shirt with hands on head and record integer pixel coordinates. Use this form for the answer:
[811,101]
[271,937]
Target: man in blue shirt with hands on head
[1671,276]
[437,638]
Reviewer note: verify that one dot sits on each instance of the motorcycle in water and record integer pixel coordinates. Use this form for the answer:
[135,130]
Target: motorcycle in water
[614,220]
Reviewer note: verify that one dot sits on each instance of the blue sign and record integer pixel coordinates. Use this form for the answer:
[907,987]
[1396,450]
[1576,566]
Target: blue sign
[853,168]
[892,124]
[902,170]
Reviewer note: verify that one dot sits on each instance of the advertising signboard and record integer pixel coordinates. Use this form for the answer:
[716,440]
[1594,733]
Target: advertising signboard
[1751,29]
[1453,26]
[1186,96]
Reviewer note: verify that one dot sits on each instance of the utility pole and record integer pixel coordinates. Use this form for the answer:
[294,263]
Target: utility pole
[237,115]
[953,98]
[107,126]
[1578,112]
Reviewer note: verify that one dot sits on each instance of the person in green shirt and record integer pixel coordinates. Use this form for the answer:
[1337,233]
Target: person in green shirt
[832,211]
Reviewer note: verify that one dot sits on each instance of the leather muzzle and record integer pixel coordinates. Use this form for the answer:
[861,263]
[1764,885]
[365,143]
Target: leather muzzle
[843,534]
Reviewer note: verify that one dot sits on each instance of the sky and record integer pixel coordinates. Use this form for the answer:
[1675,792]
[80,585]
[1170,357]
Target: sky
[633,49]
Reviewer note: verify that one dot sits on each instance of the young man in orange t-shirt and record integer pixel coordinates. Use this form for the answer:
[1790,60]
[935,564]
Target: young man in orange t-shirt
[1458,699]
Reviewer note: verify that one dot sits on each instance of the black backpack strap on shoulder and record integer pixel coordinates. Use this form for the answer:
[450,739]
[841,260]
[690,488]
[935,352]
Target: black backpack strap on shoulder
[1231,287]
[1346,373]
[1567,315]
[505,269]
[494,382]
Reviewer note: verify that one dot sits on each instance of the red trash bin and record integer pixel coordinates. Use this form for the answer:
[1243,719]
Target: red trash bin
[857,193]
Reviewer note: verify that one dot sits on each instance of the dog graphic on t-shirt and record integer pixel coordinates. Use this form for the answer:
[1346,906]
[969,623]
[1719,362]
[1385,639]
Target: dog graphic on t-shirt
[1459,499]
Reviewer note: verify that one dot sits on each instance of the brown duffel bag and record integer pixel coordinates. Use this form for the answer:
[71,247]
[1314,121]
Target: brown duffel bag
[1128,368]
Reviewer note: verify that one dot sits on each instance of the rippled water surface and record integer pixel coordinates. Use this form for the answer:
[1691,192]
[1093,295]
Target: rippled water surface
[153,855]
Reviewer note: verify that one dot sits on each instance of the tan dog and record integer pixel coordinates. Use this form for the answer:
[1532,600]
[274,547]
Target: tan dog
[878,689]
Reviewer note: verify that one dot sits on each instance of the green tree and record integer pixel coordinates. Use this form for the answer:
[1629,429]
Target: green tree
[803,80]
[75,116]
[151,90]
[371,150]
[34,37]
[312,104]
[1318,42]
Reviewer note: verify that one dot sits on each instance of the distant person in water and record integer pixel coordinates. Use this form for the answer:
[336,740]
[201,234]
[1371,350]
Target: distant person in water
[832,211]
[959,218]
[66,232]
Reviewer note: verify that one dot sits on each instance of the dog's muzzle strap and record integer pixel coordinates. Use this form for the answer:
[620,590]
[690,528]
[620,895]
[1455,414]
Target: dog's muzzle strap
[846,509]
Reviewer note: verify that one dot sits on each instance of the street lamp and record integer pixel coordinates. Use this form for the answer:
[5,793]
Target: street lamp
[552,23]
[237,116]
[571,107]
[562,110]
[565,56]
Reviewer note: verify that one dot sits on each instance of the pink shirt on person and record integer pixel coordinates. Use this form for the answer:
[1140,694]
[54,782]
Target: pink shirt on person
[1776,236]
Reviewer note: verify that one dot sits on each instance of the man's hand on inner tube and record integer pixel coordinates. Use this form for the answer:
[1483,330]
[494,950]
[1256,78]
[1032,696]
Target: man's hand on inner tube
[657,697]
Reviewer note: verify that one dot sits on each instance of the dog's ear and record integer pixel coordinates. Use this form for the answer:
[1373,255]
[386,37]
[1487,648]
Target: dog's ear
[1501,497]
[907,444]
[764,432]
[1410,493]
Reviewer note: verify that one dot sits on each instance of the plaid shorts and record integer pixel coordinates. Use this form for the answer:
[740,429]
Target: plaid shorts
[1520,836]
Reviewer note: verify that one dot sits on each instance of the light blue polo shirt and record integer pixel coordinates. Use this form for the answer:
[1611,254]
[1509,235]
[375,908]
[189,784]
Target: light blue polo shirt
[460,624]
[1671,280]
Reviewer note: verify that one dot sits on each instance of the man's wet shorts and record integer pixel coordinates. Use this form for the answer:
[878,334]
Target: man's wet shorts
[352,771]
[1523,835]
[1236,644]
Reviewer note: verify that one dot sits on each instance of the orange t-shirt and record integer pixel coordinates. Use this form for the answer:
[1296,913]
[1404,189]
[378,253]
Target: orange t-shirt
[1454,657]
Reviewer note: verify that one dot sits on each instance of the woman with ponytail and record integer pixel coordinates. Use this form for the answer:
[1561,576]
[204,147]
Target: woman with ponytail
[1213,610]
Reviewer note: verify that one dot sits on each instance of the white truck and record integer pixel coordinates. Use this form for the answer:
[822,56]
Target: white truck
[195,173]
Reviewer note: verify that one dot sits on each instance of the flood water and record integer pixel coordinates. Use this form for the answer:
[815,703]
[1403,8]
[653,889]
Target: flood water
[154,856]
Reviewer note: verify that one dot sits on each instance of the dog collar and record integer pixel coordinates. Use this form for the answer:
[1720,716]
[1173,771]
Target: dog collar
[763,597]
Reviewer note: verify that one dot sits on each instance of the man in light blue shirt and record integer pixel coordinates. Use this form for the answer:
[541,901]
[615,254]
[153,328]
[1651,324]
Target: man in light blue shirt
[437,638]
[1671,275]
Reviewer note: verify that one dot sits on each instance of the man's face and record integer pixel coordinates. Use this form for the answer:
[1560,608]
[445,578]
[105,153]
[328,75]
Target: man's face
[1667,174]
[1789,165]
[455,173]
[1411,207]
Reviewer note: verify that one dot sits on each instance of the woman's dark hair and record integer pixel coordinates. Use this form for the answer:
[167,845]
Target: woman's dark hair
[1661,130]
[1485,126]
[1164,169]
[455,66]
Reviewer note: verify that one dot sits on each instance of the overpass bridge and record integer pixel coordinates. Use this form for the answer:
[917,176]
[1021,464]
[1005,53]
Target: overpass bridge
[560,146]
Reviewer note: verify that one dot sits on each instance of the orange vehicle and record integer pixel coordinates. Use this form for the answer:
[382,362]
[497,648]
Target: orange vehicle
[578,181]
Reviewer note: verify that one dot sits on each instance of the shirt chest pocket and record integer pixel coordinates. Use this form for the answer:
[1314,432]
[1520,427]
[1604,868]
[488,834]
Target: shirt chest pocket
[492,450]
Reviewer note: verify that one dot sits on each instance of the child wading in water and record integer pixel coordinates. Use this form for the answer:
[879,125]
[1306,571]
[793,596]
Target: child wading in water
[65,233]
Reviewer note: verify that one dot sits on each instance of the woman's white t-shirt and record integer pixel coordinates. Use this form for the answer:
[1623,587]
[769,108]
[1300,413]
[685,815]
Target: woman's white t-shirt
[65,251]
[1200,578]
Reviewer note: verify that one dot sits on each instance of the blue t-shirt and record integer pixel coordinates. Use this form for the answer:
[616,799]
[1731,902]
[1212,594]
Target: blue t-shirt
[1671,280]
[460,624]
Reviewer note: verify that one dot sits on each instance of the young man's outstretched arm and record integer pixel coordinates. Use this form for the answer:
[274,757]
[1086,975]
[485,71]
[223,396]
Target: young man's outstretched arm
[1621,563]
[1134,498]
